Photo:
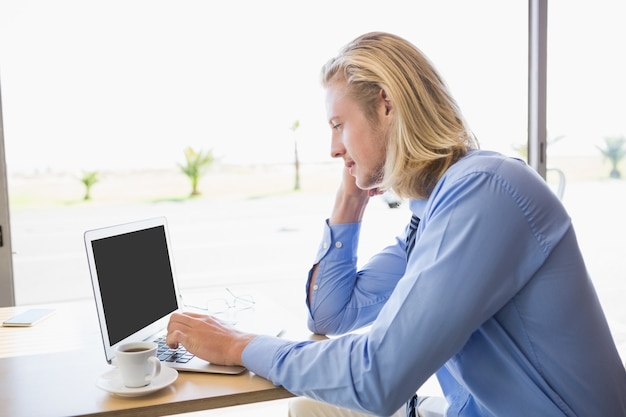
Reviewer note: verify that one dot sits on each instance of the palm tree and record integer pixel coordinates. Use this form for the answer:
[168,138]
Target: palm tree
[88,179]
[614,151]
[293,128]
[197,162]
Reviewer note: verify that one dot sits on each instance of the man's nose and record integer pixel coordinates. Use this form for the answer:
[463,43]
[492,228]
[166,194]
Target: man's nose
[337,150]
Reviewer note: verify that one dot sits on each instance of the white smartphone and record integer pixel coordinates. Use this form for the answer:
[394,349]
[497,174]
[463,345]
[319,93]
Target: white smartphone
[28,318]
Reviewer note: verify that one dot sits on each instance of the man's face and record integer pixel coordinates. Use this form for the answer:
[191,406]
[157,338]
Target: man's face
[359,141]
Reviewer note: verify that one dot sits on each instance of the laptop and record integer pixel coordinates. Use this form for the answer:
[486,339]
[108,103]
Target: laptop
[135,289]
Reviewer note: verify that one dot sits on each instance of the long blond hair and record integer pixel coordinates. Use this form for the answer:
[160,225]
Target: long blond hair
[428,133]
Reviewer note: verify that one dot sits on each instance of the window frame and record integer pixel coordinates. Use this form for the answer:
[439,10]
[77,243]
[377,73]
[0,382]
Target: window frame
[7,287]
[537,76]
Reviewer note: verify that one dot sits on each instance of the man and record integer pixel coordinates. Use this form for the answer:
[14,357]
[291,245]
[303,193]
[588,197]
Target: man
[486,287]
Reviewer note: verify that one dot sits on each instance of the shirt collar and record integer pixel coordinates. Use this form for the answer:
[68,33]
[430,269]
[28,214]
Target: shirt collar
[418,207]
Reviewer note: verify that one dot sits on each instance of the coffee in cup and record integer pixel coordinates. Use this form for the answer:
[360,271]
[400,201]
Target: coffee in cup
[138,363]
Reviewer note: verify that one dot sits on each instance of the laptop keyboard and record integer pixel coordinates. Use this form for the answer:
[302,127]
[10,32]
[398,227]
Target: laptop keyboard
[165,354]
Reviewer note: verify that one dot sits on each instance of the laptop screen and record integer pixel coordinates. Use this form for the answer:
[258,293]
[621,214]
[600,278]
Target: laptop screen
[135,280]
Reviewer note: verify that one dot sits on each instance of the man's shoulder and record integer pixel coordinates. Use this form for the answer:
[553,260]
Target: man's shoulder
[490,163]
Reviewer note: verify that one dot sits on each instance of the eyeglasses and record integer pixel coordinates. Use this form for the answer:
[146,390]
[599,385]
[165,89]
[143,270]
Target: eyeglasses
[234,302]
[226,307]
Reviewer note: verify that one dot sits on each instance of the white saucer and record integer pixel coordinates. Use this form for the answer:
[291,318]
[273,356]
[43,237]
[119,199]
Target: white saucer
[111,381]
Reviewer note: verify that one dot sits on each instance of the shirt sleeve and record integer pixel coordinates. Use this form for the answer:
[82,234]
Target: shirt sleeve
[344,298]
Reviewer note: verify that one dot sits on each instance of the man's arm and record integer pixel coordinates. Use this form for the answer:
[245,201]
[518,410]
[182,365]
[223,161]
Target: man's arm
[341,298]
[350,203]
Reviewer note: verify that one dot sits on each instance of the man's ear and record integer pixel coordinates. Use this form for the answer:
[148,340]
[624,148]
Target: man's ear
[383,96]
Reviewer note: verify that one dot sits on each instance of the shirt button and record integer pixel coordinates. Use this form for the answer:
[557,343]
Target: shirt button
[338,245]
[315,287]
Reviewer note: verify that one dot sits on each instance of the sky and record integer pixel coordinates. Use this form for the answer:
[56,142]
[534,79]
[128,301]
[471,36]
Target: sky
[128,84]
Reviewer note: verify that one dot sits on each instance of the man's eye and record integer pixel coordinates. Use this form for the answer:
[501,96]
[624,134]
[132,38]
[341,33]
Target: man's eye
[337,126]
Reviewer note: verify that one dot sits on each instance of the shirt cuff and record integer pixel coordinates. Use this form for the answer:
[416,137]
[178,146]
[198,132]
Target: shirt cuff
[339,241]
[259,355]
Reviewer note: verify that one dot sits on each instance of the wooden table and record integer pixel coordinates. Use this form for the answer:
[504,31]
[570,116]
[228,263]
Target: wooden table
[51,369]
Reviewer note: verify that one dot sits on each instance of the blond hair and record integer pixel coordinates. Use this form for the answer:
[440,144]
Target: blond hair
[428,133]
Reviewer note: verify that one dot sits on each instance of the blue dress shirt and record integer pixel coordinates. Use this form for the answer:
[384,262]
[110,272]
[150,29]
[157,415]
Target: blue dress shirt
[495,300]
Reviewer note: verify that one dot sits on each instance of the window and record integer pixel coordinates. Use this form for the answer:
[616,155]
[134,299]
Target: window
[210,76]
[218,76]
[586,90]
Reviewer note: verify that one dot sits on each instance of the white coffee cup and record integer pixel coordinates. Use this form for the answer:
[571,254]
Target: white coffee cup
[137,363]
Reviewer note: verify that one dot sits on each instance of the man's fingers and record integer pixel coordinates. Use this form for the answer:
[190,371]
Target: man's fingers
[174,338]
[177,327]
[180,325]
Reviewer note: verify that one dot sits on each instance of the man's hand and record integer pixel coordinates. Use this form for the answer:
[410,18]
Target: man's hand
[208,338]
[350,201]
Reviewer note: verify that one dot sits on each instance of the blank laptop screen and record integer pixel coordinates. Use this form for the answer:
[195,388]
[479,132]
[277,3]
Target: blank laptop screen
[136,280]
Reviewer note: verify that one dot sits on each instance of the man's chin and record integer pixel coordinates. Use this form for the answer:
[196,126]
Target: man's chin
[372,187]
[370,183]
